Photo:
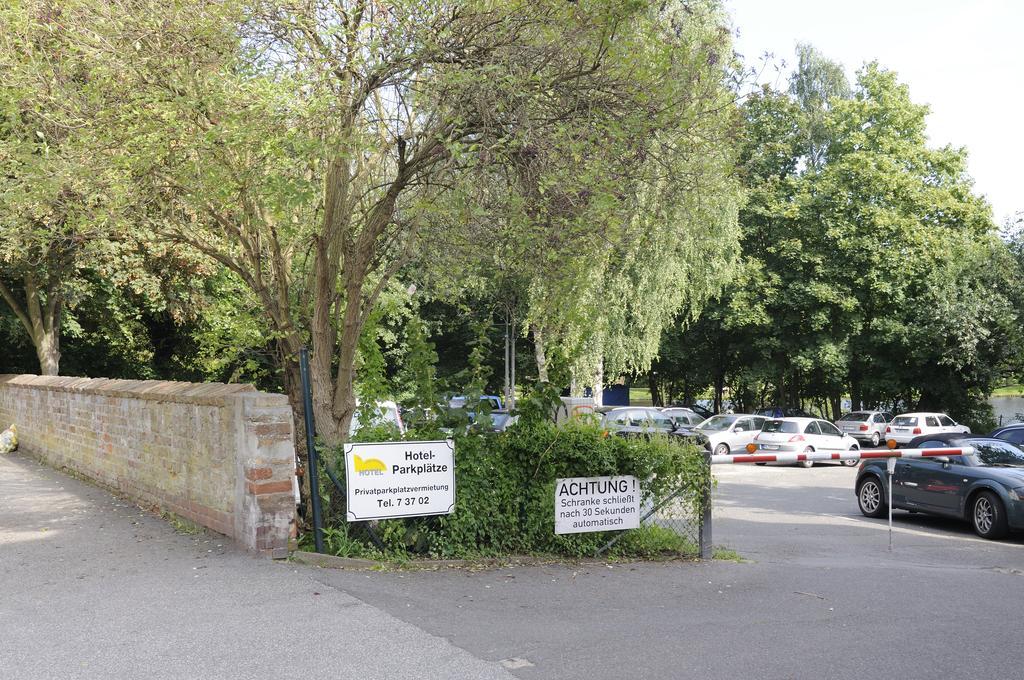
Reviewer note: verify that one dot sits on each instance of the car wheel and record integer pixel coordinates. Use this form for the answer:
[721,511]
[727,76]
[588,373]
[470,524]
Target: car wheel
[807,463]
[722,450]
[871,498]
[876,439]
[851,462]
[988,516]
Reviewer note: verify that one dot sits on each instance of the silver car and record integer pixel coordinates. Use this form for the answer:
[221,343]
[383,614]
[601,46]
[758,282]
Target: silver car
[865,426]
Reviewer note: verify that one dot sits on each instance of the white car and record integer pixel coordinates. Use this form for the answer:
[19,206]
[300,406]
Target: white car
[804,435]
[906,426]
[730,433]
[384,413]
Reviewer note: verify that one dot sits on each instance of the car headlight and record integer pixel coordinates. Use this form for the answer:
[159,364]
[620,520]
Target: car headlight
[1016,494]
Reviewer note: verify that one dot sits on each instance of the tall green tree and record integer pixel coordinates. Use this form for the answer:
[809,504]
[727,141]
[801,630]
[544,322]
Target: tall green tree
[308,148]
[871,268]
[51,204]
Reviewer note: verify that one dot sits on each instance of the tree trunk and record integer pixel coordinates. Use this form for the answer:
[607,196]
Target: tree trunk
[856,398]
[41,318]
[719,389]
[837,406]
[599,384]
[344,405]
[539,353]
[652,382]
[48,351]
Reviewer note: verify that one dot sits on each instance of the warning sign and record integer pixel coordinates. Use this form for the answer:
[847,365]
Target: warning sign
[399,479]
[596,504]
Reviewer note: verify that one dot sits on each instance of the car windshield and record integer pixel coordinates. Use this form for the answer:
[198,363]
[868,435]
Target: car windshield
[657,419]
[856,417]
[998,454]
[717,423]
[905,420]
[783,426]
[496,418]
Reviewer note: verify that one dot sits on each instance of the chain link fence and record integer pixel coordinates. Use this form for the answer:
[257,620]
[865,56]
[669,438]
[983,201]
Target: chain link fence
[682,513]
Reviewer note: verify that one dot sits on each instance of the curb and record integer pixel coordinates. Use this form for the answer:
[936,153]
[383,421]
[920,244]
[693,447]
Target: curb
[359,564]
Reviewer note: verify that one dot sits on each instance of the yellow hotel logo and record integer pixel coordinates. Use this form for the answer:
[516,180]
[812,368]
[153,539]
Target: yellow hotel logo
[370,466]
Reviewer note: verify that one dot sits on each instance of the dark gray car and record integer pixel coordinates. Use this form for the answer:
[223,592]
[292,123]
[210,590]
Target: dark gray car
[985,488]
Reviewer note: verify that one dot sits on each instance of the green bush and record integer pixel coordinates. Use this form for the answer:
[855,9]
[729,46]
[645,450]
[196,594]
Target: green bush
[505,487]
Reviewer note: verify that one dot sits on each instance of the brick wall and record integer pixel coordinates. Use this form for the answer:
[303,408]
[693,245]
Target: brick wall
[219,455]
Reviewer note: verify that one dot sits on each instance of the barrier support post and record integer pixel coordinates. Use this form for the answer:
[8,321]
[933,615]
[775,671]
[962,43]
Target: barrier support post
[706,549]
[890,469]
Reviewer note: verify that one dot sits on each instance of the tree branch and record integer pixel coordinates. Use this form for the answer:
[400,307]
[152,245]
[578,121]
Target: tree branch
[8,296]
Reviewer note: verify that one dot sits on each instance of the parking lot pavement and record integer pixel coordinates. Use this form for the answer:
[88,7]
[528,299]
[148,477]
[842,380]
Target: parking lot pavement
[93,587]
[820,596]
[793,515]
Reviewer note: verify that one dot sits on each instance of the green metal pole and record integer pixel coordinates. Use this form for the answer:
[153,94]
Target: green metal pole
[311,455]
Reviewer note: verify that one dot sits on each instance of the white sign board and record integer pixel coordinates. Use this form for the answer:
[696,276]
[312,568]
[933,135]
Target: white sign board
[399,479]
[596,504]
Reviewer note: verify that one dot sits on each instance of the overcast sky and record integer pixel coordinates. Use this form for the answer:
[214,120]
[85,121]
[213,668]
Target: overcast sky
[965,59]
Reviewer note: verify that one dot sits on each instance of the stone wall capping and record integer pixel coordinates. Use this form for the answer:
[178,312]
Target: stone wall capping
[156,390]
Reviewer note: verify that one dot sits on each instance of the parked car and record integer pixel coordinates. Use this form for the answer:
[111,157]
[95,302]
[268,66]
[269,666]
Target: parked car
[384,413]
[1011,433]
[778,412]
[684,417]
[730,433]
[906,426]
[985,488]
[492,400]
[804,435]
[703,411]
[495,421]
[632,421]
[865,426]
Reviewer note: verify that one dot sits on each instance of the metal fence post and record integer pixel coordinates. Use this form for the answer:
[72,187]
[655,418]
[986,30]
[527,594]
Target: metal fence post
[706,549]
[312,464]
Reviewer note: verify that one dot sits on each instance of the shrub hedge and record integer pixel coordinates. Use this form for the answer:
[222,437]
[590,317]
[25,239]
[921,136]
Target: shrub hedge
[505,495]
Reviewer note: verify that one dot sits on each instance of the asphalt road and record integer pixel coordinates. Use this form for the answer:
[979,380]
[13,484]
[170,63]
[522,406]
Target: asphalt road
[821,596]
[92,587]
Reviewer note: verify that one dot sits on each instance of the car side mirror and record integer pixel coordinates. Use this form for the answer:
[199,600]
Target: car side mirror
[944,460]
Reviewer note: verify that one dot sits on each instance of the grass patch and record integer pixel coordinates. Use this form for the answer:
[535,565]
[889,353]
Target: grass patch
[727,555]
[181,525]
[640,396]
[651,540]
[1009,391]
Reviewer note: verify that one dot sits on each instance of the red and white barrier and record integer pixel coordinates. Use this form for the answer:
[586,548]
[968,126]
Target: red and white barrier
[846,455]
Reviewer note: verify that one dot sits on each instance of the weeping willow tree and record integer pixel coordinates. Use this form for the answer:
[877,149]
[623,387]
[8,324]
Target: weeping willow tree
[663,236]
